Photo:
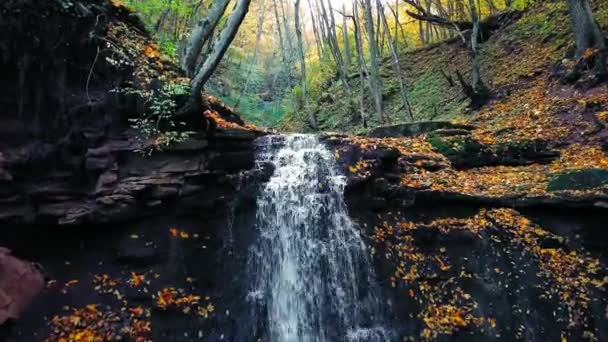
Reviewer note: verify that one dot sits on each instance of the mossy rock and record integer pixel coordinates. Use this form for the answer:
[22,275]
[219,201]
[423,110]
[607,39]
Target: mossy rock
[416,128]
[578,180]
[466,152]
[455,147]
[537,151]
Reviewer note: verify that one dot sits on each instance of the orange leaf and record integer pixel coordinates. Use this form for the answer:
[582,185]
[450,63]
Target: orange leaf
[136,279]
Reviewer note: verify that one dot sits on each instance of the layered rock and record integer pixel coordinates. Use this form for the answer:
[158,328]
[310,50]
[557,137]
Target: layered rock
[431,169]
[67,152]
[109,180]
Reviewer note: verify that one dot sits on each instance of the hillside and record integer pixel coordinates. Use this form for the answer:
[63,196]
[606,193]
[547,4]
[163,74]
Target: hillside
[536,137]
[522,62]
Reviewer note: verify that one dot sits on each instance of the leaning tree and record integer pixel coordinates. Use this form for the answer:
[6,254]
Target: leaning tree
[201,33]
[220,46]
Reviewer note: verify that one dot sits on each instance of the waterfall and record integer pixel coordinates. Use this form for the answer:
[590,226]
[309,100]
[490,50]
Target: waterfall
[311,277]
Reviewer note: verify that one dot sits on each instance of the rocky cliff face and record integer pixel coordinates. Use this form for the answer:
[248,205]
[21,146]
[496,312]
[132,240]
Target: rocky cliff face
[457,261]
[67,153]
[105,179]
[140,220]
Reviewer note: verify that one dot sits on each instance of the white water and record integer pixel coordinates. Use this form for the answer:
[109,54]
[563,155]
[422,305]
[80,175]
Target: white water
[311,275]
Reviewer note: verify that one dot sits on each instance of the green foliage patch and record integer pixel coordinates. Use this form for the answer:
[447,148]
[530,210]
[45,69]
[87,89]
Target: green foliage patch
[156,123]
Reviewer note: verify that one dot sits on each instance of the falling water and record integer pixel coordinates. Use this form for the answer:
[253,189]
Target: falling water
[311,275]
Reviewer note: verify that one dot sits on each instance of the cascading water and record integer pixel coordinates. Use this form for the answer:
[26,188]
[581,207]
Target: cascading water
[311,275]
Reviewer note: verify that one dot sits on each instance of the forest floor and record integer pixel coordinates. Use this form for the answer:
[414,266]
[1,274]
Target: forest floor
[537,140]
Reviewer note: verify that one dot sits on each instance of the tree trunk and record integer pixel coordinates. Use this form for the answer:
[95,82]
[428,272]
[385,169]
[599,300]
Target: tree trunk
[396,64]
[421,33]
[220,48]
[375,81]
[286,56]
[288,34]
[304,100]
[332,39]
[315,29]
[256,51]
[587,33]
[363,74]
[201,34]
[480,91]
[347,57]
[161,20]
[279,31]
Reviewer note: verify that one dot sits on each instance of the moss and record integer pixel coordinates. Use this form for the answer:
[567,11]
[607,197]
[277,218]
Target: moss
[539,23]
[468,152]
[601,15]
[521,148]
[455,147]
[433,98]
[578,180]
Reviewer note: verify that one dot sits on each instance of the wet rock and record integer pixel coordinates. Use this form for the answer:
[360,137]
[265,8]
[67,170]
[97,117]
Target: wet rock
[380,186]
[182,165]
[164,192]
[388,157]
[106,182]
[425,236]
[553,241]
[97,164]
[191,145]
[459,237]
[377,203]
[138,256]
[118,183]
[232,161]
[235,134]
[5,175]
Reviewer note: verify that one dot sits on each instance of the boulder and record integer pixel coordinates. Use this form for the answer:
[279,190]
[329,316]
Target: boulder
[20,283]
[465,152]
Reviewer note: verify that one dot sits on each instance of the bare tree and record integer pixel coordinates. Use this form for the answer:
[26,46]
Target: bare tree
[477,91]
[256,51]
[347,57]
[479,88]
[405,103]
[360,61]
[329,22]
[374,71]
[315,29]
[424,14]
[304,100]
